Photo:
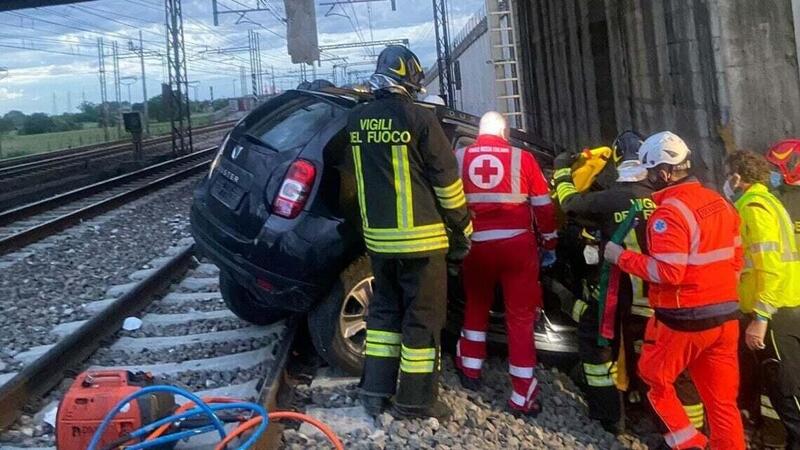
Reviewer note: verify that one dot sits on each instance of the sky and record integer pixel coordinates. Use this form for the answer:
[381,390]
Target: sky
[49,56]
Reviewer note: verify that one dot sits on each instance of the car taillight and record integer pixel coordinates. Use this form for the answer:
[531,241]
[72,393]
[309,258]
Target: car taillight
[294,191]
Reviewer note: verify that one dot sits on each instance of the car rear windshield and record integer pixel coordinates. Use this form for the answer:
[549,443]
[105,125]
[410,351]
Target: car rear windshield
[293,123]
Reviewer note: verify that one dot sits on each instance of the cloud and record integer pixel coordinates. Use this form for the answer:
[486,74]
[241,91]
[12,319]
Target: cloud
[6,94]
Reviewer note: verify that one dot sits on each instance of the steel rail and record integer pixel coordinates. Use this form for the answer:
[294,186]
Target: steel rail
[47,371]
[24,164]
[52,226]
[25,211]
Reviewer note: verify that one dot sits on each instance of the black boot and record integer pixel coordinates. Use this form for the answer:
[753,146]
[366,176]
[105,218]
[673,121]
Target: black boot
[473,384]
[533,412]
[375,405]
[437,410]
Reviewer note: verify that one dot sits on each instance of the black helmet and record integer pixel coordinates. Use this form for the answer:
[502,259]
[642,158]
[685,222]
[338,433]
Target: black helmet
[402,65]
[626,146]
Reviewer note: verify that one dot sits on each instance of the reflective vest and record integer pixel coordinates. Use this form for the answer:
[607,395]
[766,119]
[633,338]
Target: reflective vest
[409,191]
[771,275]
[506,191]
[695,253]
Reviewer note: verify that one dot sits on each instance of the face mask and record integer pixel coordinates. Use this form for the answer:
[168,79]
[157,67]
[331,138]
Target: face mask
[730,191]
[775,178]
[657,182]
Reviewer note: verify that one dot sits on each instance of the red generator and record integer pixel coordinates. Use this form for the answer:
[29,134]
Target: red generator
[94,394]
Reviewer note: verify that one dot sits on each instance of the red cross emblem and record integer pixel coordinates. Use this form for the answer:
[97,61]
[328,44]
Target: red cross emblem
[486,171]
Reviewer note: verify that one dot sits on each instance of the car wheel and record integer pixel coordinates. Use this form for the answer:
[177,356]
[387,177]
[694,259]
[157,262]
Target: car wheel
[242,303]
[338,325]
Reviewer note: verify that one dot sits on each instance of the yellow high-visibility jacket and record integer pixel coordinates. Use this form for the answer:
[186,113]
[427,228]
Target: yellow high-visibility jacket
[771,276]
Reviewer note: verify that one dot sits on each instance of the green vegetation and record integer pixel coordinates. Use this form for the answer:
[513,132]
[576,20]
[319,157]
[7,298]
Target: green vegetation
[14,144]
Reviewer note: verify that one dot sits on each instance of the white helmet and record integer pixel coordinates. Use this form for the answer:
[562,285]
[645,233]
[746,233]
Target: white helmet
[664,148]
[434,99]
[494,124]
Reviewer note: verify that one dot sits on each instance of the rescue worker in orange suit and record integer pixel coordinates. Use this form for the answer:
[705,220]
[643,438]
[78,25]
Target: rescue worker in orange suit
[785,178]
[414,221]
[605,211]
[769,292]
[514,221]
[692,268]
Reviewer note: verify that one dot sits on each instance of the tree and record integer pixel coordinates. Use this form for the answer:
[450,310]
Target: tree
[37,123]
[17,117]
[6,125]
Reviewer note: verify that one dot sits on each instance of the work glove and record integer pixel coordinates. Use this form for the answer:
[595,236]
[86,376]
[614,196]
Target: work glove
[547,258]
[755,333]
[459,248]
[612,252]
[564,160]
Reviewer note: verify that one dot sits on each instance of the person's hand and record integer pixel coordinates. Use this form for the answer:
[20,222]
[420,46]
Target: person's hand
[564,160]
[755,333]
[459,248]
[547,258]
[612,252]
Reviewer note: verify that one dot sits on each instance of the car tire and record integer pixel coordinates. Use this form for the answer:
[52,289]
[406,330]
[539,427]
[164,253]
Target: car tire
[242,303]
[338,324]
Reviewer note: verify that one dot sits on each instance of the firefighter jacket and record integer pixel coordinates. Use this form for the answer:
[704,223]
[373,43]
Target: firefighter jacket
[409,191]
[694,259]
[506,191]
[790,197]
[771,275]
[605,210]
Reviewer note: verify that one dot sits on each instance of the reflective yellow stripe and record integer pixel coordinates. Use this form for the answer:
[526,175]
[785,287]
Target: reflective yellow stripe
[418,354]
[362,202]
[384,337]
[693,410]
[452,203]
[417,366]
[382,350]
[421,245]
[642,311]
[449,191]
[565,190]
[388,234]
[599,375]
[566,171]
[767,410]
[578,309]
[597,369]
[402,186]
[468,230]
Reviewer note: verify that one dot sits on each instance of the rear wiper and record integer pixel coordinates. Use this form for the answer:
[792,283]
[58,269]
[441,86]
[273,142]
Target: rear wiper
[256,140]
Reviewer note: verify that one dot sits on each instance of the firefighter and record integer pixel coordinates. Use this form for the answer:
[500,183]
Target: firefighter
[692,267]
[785,156]
[769,293]
[412,209]
[609,368]
[510,203]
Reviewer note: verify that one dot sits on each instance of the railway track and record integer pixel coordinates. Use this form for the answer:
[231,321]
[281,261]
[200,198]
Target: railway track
[187,337]
[29,223]
[31,178]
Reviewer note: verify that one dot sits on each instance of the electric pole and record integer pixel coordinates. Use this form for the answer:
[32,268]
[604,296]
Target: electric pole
[55,106]
[101,70]
[446,88]
[117,87]
[146,117]
[180,120]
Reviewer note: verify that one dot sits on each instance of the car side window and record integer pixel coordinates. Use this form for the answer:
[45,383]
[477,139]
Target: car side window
[294,124]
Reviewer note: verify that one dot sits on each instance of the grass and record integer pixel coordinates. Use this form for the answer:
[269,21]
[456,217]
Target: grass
[14,145]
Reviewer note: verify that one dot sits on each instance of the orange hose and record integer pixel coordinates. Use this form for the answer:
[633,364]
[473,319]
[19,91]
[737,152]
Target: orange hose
[278,415]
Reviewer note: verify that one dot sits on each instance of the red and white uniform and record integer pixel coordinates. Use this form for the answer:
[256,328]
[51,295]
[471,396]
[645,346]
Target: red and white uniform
[509,201]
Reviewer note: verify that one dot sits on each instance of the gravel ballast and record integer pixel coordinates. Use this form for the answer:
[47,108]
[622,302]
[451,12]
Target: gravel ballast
[479,421]
[52,282]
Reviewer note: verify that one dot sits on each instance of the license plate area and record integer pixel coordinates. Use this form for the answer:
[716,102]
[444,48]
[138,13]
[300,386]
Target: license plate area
[227,193]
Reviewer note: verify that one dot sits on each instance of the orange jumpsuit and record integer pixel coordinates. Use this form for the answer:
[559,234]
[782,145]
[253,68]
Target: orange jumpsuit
[694,259]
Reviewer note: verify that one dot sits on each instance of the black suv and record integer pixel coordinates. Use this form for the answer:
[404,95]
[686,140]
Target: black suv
[278,214]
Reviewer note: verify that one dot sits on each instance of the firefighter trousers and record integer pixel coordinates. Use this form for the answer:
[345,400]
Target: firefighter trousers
[711,356]
[404,325]
[512,263]
[771,379]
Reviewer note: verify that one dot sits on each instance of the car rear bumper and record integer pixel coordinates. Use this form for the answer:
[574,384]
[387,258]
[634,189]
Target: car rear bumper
[270,289]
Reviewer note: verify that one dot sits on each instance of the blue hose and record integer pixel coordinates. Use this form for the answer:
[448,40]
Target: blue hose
[201,408]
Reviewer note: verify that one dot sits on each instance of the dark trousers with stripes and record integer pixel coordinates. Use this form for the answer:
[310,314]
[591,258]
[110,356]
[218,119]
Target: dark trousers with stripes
[775,371]
[410,300]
